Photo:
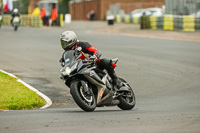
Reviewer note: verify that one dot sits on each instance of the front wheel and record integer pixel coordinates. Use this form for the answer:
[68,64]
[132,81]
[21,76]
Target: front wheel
[127,100]
[87,102]
[15,28]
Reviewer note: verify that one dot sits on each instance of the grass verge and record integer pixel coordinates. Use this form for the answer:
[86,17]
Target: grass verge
[16,96]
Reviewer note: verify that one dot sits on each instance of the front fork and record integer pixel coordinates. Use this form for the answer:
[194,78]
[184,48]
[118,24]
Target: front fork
[85,86]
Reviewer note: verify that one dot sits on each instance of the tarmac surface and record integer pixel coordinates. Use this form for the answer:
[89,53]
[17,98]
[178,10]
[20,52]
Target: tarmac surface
[163,68]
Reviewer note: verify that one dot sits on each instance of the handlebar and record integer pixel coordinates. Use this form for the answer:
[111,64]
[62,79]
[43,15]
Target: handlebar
[88,61]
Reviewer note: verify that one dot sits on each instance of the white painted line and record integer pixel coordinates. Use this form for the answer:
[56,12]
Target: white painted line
[48,100]
[8,73]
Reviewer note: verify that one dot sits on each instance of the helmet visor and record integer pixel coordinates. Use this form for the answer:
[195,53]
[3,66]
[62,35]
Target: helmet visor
[66,43]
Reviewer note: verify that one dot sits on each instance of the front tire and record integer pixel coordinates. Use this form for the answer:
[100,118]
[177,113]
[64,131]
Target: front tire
[15,28]
[127,102]
[85,102]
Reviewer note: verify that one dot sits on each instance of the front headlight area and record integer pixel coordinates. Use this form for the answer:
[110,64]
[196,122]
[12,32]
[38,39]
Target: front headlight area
[65,71]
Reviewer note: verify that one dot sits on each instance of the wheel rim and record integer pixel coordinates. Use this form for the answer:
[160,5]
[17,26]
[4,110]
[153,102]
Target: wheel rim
[131,97]
[87,98]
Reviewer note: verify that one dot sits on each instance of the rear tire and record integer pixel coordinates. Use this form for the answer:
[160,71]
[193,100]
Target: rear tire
[86,103]
[127,103]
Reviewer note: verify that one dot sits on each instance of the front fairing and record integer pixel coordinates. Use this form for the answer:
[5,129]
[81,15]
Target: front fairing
[16,20]
[71,64]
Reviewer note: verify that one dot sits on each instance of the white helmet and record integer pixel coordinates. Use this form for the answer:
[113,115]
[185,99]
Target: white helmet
[15,10]
[68,39]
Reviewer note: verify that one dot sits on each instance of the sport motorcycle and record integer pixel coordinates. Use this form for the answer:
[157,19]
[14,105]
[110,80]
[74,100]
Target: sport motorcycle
[16,22]
[92,87]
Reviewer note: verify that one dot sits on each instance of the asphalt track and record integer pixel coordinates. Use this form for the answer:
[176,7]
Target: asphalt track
[164,74]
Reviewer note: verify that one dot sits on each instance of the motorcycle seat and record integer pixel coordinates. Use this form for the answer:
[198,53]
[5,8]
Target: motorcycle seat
[115,60]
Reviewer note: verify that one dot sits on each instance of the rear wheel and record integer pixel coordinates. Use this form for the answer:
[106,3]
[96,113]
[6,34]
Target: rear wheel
[127,100]
[87,102]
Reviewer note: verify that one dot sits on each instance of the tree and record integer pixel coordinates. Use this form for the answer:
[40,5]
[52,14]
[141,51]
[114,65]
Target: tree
[64,6]
[22,5]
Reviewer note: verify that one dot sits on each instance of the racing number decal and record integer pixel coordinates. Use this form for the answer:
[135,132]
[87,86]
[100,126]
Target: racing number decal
[101,94]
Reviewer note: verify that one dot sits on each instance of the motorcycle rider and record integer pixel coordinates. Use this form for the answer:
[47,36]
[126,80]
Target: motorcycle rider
[14,14]
[69,41]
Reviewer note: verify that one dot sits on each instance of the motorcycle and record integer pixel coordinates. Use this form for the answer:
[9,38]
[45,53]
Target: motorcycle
[15,22]
[1,19]
[92,87]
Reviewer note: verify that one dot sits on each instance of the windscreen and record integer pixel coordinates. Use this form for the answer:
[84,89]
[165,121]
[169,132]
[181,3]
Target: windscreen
[68,56]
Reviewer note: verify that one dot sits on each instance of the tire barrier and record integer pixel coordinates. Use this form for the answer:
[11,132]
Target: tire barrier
[136,20]
[118,19]
[127,19]
[36,22]
[188,23]
[197,23]
[145,22]
[166,22]
[159,22]
[6,20]
[153,23]
[26,20]
[178,23]
[174,22]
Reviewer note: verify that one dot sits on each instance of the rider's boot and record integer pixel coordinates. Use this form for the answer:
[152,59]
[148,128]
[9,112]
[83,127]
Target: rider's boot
[116,81]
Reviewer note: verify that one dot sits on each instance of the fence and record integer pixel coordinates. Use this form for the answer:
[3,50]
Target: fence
[166,22]
[182,7]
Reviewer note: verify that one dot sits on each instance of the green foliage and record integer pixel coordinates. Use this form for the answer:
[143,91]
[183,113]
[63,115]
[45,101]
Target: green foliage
[63,6]
[22,5]
[63,2]
[15,96]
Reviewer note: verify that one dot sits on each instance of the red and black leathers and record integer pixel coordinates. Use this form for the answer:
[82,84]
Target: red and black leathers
[86,49]
[104,63]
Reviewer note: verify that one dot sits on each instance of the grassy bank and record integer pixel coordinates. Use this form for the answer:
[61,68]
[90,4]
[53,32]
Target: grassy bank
[15,96]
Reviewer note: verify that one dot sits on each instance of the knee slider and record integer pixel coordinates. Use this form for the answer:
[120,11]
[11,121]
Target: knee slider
[113,65]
